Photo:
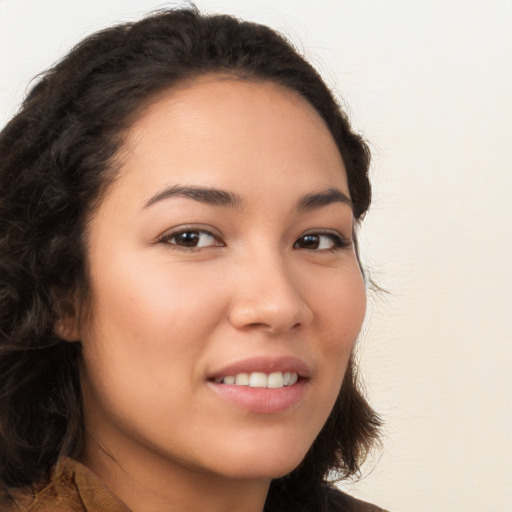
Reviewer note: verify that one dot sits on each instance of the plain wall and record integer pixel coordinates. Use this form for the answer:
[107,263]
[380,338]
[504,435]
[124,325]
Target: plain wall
[429,83]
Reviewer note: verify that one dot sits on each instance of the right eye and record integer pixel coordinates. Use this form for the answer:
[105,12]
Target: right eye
[191,239]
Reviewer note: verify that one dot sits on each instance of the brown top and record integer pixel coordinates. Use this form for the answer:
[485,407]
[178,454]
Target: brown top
[73,487]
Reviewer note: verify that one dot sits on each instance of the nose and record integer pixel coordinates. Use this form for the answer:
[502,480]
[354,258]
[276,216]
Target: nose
[268,297]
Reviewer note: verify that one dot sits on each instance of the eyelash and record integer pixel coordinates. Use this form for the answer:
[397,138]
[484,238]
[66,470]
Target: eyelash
[169,237]
[338,241]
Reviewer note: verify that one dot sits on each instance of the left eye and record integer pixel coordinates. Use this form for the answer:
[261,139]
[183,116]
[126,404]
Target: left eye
[320,241]
[193,239]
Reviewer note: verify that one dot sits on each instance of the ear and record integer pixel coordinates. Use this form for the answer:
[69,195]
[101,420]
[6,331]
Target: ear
[67,325]
[67,328]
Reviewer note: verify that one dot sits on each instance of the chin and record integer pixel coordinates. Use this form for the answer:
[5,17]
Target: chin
[262,472]
[266,464]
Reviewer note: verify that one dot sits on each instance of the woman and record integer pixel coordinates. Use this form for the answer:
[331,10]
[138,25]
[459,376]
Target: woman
[181,291]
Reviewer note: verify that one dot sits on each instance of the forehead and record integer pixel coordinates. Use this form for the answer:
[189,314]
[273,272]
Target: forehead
[222,128]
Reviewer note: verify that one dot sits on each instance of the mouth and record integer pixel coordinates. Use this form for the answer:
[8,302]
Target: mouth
[262,385]
[274,380]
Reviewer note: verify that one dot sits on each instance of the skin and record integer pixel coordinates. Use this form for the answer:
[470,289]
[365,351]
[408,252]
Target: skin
[162,317]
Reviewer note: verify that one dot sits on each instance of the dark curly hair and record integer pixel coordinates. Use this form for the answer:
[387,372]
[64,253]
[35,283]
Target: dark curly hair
[57,158]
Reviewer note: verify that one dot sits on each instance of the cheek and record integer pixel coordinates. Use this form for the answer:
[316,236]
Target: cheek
[340,307]
[148,329]
[154,303]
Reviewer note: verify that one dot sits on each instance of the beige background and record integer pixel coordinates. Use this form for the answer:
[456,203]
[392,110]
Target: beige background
[429,84]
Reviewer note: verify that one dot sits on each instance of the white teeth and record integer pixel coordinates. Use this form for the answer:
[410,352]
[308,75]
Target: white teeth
[258,380]
[242,379]
[274,380]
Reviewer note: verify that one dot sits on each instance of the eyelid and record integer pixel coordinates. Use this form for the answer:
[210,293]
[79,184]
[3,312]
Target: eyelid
[340,241]
[170,233]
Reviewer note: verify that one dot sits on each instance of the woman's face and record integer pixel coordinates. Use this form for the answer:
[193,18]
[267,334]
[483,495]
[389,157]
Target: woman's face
[223,252]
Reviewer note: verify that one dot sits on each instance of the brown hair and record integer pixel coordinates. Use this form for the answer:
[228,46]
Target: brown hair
[56,159]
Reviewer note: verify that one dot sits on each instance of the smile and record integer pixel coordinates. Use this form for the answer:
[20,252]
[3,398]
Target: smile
[273,380]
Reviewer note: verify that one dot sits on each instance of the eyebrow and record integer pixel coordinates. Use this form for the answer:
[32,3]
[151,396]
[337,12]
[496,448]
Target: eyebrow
[323,198]
[207,195]
[218,197]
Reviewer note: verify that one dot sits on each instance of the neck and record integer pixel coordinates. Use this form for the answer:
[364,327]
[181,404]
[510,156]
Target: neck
[148,482]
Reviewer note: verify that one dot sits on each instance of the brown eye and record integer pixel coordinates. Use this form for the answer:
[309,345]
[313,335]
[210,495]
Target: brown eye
[320,242]
[308,242]
[192,239]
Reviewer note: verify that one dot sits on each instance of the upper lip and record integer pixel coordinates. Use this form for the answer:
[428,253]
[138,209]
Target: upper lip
[264,364]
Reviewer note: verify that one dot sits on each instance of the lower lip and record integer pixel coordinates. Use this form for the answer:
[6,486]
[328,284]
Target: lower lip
[261,400]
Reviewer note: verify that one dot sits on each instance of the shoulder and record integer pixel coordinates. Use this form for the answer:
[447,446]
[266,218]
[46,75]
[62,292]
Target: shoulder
[71,488]
[342,502]
[58,494]
[43,500]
